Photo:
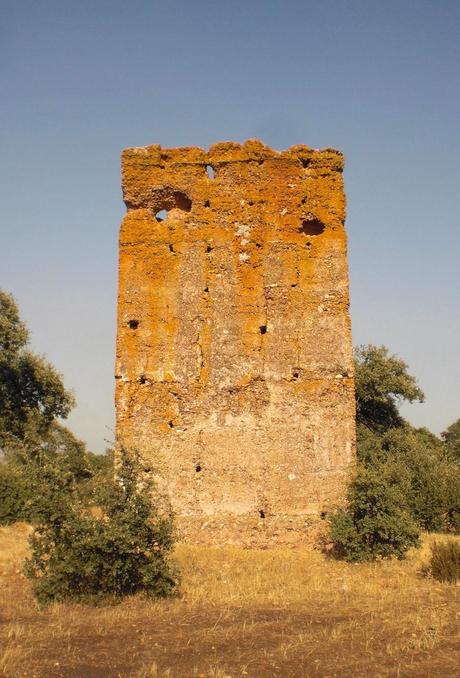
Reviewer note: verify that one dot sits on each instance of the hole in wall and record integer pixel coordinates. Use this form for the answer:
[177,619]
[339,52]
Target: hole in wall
[171,248]
[312,226]
[323,515]
[206,289]
[182,201]
[171,424]
[198,468]
[166,198]
[250,203]
[161,215]
[143,379]
[261,513]
[133,324]
[263,329]
[208,249]
[294,285]
[304,200]
[295,373]
[305,162]
[207,203]
[210,171]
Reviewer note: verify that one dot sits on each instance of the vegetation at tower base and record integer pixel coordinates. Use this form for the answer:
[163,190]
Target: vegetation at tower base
[422,466]
[121,549]
[376,523]
[407,479]
[48,478]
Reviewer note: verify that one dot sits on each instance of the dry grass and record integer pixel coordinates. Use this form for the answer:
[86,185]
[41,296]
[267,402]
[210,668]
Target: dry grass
[241,613]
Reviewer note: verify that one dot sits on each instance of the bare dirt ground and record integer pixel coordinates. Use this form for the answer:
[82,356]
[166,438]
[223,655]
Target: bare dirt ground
[281,613]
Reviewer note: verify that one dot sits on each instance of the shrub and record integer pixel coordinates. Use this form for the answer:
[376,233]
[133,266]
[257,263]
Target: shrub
[445,562]
[451,438]
[78,555]
[13,496]
[433,487]
[375,524]
[421,466]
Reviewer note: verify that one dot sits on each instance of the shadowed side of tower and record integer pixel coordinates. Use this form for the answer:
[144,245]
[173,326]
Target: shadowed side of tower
[234,363]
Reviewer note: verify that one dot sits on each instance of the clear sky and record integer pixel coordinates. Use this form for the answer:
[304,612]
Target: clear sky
[377,79]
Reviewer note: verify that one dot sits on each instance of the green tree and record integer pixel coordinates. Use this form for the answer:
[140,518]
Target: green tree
[121,550]
[407,479]
[57,448]
[32,393]
[376,523]
[32,396]
[13,495]
[382,383]
[415,460]
[418,463]
[451,437]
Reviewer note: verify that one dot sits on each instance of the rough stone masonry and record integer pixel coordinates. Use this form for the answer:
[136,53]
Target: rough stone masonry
[234,374]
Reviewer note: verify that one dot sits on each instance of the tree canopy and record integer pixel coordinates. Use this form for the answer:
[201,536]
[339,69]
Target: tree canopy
[451,437]
[421,464]
[32,393]
[382,383]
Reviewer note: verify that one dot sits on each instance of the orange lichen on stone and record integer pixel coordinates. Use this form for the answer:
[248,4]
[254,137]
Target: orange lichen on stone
[234,376]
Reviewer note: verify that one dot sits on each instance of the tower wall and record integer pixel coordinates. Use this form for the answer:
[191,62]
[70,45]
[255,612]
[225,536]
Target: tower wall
[234,362]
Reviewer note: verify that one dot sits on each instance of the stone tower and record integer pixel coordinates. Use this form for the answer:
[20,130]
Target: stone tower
[234,362]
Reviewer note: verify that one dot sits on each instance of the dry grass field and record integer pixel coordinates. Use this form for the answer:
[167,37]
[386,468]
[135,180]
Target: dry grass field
[241,613]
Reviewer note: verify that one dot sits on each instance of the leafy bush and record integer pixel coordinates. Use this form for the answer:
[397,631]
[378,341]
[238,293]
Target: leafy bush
[423,468]
[56,448]
[451,438]
[77,554]
[13,496]
[431,476]
[375,524]
[445,562]
[100,472]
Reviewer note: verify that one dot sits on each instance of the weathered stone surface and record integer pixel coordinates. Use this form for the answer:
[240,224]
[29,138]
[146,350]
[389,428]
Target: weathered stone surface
[234,366]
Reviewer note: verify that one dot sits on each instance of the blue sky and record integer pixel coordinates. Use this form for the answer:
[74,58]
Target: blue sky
[378,80]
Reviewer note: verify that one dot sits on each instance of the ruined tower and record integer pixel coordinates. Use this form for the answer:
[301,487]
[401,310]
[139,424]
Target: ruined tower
[234,363]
